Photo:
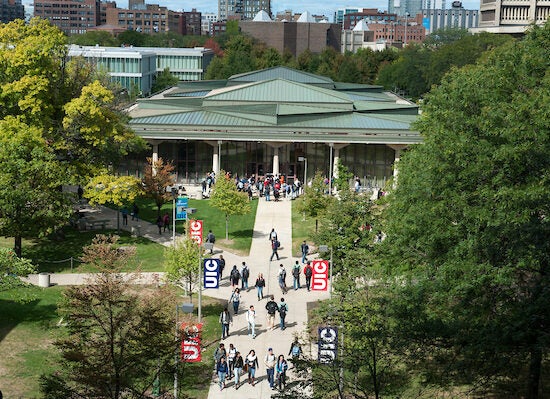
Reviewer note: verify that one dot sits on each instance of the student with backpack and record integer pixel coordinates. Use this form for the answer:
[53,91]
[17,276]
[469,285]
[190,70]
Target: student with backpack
[235,299]
[245,273]
[296,274]
[234,277]
[282,279]
[305,250]
[308,272]
[283,309]
[211,238]
[275,244]
[295,349]
[260,284]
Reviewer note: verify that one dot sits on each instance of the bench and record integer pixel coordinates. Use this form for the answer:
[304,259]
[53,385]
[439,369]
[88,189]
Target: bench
[92,224]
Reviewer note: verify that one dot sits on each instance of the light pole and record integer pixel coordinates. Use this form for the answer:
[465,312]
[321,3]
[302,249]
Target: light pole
[186,308]
[326,248]
[406,23]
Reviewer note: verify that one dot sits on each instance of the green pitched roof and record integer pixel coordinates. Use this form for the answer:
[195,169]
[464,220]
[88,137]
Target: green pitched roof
[281,72]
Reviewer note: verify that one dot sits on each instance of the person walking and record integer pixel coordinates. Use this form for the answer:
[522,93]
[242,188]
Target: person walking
[235,299]
[282,278]
[222,266]
[218,354]
[124,212]
[231,353]
[260,284]
[275,244]
[159,224]
[283,310]
[271,307]
[305,250]
[280,369]
[245,274]
[251,365]
[296,276]
[211,238]
[135,212]
[222,372]
[308,272]
[238,365]
[270,361]
[234,277]
[251,320]
[225,319]
[295,349]
[166,221]
[273,235]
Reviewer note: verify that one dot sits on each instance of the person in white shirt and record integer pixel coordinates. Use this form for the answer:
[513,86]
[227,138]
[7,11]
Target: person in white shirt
[251,319]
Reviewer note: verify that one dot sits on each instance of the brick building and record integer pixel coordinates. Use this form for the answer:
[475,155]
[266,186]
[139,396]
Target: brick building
[11,10]
[70,16]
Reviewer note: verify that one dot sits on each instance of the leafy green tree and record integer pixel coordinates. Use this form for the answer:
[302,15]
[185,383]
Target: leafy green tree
[314,201]
[267,57]
[468,235]
[157,178]
[94,37]
[132,38]
[441,37]
[31,201]
[118,339]
[181,264]
[164,80]
[67,126]
[227,199]
[237,58]
[11,268]
[344,177]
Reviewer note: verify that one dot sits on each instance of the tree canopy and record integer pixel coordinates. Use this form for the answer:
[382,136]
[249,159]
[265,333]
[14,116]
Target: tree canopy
[468,223]
[58,125]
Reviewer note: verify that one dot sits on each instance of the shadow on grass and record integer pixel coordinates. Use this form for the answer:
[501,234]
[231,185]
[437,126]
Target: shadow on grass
[241,233]
[15,313]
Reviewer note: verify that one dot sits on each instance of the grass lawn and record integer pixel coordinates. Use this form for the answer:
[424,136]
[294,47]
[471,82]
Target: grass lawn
[240,227]
[53,255]
[301,229]
[27,332]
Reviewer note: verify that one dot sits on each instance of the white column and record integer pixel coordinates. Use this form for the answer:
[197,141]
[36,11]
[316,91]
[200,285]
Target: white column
[216,160]
[155,155]
[276,161]
[397,148]
[337,148]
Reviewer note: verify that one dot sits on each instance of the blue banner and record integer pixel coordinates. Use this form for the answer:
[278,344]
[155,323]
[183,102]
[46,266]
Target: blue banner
[328,344]
[182,203]
[211,273]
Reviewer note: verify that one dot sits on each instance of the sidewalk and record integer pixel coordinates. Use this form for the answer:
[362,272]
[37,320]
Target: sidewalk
[269,215]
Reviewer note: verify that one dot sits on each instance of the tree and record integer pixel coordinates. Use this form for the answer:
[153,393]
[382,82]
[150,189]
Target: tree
[237,58]
[118,338]
[314,201]
[227,199]
[182,265]
[73,122]
[32,203]
[11,268]
[164,80]
[158,176]
[344,177]
[468,234]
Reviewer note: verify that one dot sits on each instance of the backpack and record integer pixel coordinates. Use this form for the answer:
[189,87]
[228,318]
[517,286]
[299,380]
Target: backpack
[211,238]
[235,275]
[296,272]
[246,273]
[309,272]
[276,244]
[283,309]
[272,307]
[295,350]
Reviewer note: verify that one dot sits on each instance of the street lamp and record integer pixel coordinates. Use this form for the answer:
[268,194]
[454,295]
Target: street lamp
[304,160]
[326,248]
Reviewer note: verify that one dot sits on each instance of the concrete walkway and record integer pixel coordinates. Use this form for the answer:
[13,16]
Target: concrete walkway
[269,215]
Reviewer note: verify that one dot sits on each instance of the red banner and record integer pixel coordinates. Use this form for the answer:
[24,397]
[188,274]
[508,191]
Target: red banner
[191,343]
[195,231]
[319,279]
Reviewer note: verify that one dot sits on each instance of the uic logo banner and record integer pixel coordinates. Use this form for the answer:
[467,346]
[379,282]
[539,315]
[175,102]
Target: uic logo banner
[211,273]
[319,278]
[328,344]
[195,231]
[191,343]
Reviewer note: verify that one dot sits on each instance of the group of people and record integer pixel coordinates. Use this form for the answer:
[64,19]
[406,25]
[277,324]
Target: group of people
[230,363]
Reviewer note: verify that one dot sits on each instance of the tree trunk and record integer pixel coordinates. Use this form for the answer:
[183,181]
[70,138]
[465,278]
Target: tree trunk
[226,227]
[533,378]
[18,246]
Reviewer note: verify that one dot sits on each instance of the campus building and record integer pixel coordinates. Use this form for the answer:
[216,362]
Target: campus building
[451,18]
[11,10]
[277,120]
[513,17]
[242,9]
[135,68]
[70,16]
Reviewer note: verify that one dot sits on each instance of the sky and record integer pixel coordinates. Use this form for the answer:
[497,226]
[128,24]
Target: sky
[322,7]
[317,7]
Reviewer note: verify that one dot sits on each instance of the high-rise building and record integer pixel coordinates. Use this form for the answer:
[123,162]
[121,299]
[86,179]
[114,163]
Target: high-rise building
[368,14]
[11,10]
[70,16]
[503,16]
[340,12]
[453,18]
[405,7]
[242,9]
[207,19]
[151,19]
